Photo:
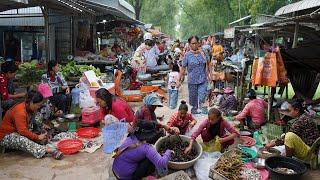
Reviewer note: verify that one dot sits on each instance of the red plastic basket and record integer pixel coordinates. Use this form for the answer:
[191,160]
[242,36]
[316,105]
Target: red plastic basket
[70,146]
[88,132]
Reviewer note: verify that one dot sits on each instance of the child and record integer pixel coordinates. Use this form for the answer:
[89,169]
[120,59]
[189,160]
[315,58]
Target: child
[214,126]
[173,84]
[182,120]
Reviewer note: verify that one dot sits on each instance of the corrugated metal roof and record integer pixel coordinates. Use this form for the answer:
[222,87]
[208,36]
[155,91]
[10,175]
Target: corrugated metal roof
[298,6]
[19,17]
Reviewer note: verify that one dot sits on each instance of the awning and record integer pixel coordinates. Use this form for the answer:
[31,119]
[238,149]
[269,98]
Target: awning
[298,6]
[65,6]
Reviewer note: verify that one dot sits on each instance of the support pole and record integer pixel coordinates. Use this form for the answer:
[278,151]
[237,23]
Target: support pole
[295,37]
[45,13]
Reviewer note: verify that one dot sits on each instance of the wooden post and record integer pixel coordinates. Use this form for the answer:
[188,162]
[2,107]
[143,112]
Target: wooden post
[45,13]
[295,37]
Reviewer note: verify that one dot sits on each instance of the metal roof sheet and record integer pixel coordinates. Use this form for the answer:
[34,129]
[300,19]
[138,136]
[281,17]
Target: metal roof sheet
[298,6]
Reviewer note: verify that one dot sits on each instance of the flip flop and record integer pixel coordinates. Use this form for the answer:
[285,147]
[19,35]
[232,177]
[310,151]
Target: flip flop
[57,155]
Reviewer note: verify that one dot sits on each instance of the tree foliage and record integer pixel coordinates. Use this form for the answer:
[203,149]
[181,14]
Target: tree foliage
[200,17]
[161,13]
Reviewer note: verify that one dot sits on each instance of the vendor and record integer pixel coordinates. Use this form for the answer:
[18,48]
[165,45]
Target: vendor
[14,129]
[114,105]
[47,111]
[136,158]
[145,57]
[254,112]
[215,97]
[211,128]
[58,85]
[116,48]
[181,121]
[217,49]
[302,134]
[8,97]
[229,102]
[147,112]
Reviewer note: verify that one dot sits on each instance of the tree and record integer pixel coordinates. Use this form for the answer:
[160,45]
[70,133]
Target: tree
[161,13]
[137,5]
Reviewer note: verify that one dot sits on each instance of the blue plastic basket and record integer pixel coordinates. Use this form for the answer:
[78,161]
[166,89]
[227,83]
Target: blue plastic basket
[112,136]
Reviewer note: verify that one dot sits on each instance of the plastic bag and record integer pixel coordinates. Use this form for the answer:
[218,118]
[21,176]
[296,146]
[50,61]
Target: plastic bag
[203,164]
[113,135]
[269,73]
[254,70]
[85,99]
[212,146]
[109,119]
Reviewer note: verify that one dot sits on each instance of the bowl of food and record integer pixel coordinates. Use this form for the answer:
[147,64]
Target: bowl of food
[285,168]
[178,144]
[266,153]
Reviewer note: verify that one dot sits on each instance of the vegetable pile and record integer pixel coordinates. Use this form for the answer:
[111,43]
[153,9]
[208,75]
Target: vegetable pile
[73,70]
[29,73]
[178,146]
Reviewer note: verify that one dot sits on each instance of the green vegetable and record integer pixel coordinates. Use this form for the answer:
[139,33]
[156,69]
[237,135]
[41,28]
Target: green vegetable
[29,73]
[73,70]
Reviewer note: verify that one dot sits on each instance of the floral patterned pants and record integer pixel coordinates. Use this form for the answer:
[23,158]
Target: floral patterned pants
[18,142]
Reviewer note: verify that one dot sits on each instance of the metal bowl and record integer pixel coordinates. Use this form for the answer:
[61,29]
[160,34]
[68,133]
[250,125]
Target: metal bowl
[70,116]
[181,165]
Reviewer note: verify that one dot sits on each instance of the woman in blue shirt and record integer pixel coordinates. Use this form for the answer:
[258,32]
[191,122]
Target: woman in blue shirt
[197,65]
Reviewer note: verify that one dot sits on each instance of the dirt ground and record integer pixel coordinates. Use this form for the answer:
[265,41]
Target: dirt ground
[81,166]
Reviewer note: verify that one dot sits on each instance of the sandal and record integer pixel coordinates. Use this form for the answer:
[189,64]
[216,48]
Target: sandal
[57,155]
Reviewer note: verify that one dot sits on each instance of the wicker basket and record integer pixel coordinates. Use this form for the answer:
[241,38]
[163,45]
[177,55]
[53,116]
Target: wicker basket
[273,131]
[213,174]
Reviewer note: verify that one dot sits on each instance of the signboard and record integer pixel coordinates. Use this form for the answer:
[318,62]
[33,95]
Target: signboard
[229,33]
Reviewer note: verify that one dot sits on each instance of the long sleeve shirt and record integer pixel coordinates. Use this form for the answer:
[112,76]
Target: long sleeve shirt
[254,109]
[17,120]
[225,129]
[127,162]
[228,104]
[54,85]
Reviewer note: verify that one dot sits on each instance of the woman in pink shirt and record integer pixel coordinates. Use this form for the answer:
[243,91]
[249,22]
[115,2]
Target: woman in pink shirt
[214,126]
[254,112]
[114,105]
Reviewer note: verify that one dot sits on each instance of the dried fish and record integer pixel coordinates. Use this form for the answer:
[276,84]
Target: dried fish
[229,165]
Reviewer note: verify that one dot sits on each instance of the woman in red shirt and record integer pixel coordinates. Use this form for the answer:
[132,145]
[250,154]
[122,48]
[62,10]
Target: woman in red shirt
[114,105]
[181,120]
[15,130]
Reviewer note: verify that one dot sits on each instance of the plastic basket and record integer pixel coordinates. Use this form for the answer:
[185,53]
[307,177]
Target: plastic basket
[113,134]
[70,146]
[273,131]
